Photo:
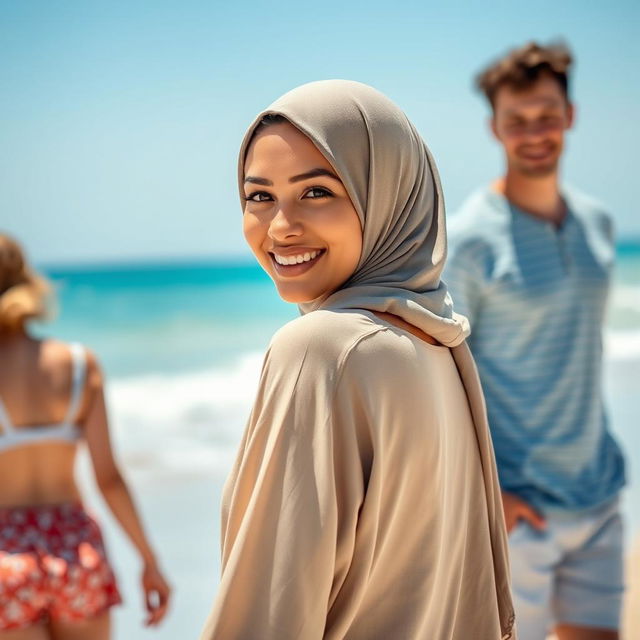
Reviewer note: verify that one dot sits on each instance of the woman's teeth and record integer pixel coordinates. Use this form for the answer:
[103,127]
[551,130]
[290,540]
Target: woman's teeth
[299,259]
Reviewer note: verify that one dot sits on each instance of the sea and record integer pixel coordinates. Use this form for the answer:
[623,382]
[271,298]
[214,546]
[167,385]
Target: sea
[181,346]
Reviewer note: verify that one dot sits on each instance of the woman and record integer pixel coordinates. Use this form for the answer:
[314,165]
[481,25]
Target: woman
[364,501]
[55,580]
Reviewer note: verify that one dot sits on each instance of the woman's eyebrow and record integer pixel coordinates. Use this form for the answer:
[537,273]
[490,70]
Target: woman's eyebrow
[314,173]
[263,181]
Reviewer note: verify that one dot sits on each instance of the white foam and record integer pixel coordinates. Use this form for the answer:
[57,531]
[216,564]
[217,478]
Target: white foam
[626,297]
[622,344]
[191,422]
[622,336]
[186,421]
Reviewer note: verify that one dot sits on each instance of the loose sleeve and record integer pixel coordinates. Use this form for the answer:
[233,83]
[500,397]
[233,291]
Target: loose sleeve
[293,494]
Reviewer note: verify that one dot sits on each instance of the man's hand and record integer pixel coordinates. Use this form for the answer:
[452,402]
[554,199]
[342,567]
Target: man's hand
[517,509]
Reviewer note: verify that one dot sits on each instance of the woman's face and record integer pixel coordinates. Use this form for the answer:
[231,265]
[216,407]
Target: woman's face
[298,218]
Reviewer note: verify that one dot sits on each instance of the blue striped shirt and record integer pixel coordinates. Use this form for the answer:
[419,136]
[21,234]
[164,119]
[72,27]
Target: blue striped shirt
[535,296]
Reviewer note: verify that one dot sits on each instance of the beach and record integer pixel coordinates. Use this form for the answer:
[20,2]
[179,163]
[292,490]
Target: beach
[181,517]
[631,616]
[181,347]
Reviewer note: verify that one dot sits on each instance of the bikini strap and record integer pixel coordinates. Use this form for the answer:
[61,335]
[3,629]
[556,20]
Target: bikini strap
[79,374]
[5,421]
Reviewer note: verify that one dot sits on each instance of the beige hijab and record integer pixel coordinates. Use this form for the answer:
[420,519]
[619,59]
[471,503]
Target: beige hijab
[394,186]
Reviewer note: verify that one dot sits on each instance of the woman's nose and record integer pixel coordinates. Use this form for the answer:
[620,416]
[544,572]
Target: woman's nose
[285,223]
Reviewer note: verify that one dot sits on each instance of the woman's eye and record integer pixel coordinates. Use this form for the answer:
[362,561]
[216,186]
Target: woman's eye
[317,192]
[259,196]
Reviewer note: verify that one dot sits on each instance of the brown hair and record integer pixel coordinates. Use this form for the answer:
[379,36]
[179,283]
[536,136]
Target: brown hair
[271,119]
[24,294]
[267,120]
[520,68]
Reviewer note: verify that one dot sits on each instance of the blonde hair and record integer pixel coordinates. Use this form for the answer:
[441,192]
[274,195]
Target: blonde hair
[24,293]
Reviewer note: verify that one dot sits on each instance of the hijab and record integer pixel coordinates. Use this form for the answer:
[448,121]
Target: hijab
[394,186]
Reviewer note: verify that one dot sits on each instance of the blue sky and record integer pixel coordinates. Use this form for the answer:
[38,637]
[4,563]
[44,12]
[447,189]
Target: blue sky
[120,121]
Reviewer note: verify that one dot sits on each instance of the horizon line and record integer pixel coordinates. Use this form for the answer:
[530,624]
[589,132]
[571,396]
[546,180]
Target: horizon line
[623,245]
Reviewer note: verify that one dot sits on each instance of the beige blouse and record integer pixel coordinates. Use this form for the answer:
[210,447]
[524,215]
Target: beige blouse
[357,505]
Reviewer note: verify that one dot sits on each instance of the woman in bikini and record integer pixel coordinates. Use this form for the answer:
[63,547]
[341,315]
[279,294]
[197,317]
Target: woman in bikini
[364,502]
[55,579]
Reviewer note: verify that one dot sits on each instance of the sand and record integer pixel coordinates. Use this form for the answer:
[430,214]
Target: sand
[181,518]
[631,615]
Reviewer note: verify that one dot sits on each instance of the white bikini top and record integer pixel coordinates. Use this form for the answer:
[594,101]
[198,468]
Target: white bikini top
[65,431]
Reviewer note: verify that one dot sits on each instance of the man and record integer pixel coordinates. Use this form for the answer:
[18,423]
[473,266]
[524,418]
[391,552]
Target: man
[529,264]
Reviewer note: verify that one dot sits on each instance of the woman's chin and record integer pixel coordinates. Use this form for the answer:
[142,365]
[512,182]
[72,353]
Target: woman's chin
[295,298]
[298,295]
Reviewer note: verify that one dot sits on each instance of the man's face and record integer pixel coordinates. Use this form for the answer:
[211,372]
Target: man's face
[531,124]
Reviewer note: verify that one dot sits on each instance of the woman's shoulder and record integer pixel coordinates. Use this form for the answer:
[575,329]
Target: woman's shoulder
[394,353]
[322,337]
[55,350]
[57,355]
[327,339]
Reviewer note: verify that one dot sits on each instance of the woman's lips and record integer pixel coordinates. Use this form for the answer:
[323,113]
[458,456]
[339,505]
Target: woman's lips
[292,270]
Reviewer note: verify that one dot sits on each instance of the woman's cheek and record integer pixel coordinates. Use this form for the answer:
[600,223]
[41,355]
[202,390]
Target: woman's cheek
[253,232]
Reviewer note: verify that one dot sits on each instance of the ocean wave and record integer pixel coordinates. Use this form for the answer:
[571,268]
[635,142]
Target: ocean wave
[626,296]
[194,421]
[191,421]
[622,344]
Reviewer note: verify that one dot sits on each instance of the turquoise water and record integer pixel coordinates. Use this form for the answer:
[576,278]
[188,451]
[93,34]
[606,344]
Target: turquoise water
[183,317]
[167,318]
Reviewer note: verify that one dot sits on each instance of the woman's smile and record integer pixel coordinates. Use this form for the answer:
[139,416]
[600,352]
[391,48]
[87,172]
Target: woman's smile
[295,261]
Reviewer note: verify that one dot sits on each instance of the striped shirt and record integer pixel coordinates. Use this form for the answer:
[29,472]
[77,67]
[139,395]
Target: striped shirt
[535,296]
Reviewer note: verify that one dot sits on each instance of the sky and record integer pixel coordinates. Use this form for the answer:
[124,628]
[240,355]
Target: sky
[120,121]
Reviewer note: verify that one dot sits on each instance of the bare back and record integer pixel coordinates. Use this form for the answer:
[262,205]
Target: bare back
[35,387]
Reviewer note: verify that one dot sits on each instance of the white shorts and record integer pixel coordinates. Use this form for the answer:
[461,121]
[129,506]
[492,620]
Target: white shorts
[571,573]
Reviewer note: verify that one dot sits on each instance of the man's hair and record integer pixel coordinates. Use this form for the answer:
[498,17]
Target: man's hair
[520,68]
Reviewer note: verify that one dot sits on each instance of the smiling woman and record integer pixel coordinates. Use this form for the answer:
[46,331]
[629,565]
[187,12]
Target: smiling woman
[364,501]
[301,225]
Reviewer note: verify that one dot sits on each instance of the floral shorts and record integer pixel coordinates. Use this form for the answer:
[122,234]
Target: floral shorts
[52,566]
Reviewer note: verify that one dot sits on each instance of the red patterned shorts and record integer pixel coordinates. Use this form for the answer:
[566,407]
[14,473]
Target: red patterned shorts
[53,565]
